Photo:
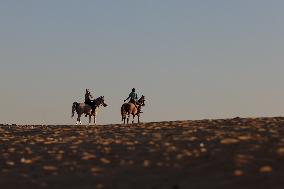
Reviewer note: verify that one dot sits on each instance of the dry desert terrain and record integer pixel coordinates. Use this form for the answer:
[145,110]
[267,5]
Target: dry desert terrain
[225,153]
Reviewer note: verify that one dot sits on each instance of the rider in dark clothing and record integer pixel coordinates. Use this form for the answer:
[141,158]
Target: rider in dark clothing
[89,101]
[88,97]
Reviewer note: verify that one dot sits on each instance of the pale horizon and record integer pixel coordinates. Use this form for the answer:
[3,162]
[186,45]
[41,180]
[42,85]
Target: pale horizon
[191,59]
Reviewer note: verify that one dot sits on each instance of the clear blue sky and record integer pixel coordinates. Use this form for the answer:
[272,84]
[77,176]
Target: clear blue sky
[191,59]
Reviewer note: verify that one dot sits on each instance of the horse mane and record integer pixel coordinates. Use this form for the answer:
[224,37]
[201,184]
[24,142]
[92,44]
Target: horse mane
[141,98]
[100,97]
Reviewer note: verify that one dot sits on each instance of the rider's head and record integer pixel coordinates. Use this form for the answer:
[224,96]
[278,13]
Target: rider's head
[133,90]
[87,90]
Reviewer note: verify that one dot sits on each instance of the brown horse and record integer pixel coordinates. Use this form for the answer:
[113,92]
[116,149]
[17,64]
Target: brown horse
[82,108]
[132,108]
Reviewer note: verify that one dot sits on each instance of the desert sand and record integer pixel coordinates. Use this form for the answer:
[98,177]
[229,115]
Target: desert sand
[225,153]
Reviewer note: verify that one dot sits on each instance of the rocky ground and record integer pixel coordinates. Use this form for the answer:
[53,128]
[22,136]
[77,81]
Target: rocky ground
[235,153]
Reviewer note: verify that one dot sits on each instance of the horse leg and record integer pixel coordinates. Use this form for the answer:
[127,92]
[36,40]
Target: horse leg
[128,117]
[138,118]
[123,118]
[95,119]
[94,115]
[78,120]
[90,119]
[79,117]
[133,119]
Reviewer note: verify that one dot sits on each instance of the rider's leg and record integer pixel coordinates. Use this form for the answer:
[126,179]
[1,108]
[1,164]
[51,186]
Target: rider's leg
[93,110]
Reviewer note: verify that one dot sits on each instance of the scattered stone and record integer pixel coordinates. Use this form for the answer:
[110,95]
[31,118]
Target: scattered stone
[238,173]
[265,169]
[49,168]
[26,161]
[146,163]
[229,141]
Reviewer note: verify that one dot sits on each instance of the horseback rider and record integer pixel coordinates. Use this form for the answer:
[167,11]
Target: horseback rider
[133,97]
[89,101]
[88,97]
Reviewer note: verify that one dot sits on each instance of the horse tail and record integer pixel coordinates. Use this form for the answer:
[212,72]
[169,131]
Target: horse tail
[74,108]
[123,112]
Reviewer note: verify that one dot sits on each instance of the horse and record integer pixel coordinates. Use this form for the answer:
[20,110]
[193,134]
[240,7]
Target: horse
[82,108]
[132,108]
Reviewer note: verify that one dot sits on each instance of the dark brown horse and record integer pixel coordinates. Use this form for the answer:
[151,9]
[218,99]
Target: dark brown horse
[132,108]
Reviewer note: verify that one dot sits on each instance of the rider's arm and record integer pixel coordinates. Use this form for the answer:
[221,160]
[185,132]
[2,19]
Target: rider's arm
[129,96]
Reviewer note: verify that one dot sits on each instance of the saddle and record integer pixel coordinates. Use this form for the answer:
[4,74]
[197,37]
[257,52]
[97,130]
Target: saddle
[133,102]
[90,103]
[137,105]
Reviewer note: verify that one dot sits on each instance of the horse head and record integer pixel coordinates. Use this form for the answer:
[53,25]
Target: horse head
[142,100]
[101,101]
